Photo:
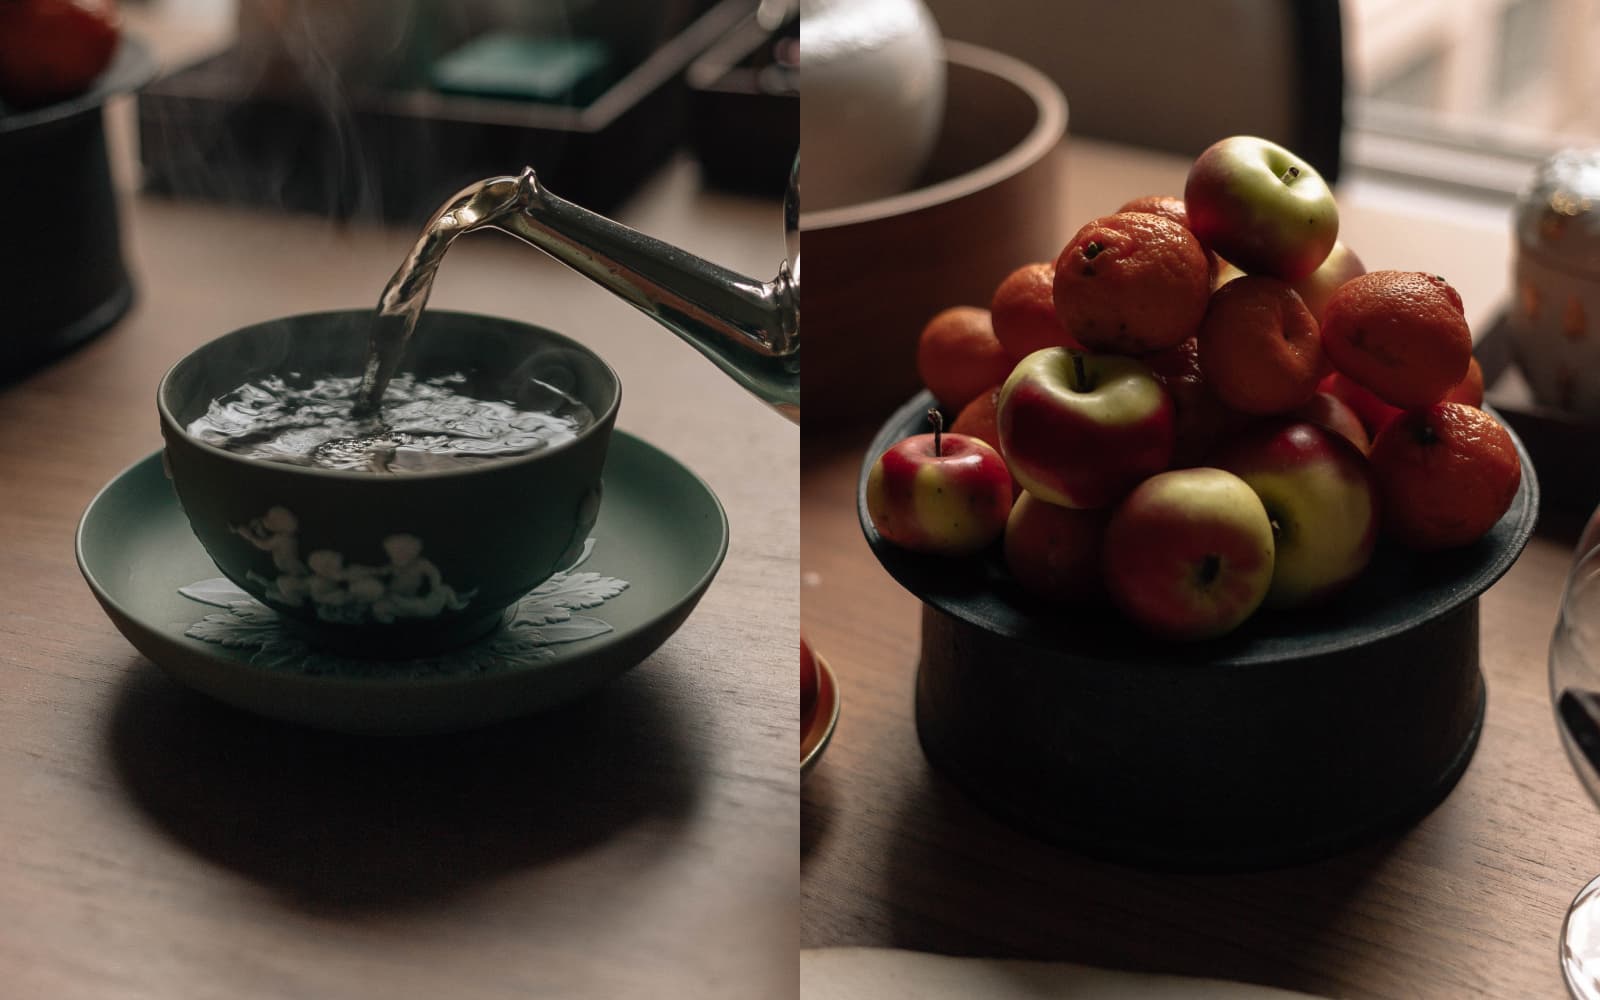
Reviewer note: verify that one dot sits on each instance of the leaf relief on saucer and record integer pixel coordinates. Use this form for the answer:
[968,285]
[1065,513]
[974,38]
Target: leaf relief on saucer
[543,619]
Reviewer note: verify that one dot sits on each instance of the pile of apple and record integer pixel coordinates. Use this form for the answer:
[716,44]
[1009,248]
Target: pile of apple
[1190,464]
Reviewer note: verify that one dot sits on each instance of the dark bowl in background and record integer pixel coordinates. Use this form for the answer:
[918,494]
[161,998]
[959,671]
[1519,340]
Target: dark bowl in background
[1297,736]
[240,127]
[62,276]
[744,124]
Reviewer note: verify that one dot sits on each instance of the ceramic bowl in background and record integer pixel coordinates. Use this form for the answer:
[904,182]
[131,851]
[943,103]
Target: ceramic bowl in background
[489,532]
[1296,736]
[820,718]
[989,201]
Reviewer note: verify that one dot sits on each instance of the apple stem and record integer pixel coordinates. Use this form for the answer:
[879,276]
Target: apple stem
[1079,373]
[1210,569]
[1290,175]
[937,420]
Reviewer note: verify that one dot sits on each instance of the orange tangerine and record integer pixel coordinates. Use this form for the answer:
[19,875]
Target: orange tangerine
[1131,283]
[1023,312]
[1259,346]
[1401,334]
[958,356]
[1445,473]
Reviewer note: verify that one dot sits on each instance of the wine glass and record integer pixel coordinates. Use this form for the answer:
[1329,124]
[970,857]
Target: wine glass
[1575,693]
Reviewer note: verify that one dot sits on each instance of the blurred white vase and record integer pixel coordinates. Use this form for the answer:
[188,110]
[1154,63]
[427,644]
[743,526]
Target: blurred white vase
[873,76]
[1554,318]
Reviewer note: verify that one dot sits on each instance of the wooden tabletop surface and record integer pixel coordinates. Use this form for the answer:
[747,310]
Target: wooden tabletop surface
[1469,902]
[156,844]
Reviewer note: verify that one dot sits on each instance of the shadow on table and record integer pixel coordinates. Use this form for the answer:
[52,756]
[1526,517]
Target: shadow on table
[961,883]
[345,823]
[816,813]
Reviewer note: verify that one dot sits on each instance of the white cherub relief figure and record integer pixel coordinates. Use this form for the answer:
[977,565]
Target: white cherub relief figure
[409,586]
[275,533]
[416,588]
[342,593]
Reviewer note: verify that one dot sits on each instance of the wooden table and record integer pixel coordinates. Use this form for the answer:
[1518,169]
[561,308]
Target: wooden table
[156,844]
[1467,903]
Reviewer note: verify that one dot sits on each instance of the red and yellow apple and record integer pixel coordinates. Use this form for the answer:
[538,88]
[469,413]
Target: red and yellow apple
[1261,207]
[939,493]
[1189,553]
[1318,287]
[1319,492]
[1081,430]
[1054,552]
[1327,411]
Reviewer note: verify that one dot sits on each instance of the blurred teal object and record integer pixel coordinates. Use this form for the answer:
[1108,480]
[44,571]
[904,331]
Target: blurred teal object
[566,71]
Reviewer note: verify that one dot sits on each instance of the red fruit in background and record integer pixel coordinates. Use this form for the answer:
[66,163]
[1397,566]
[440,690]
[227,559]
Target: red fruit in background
[1375,414]
[958,356]
[1023,312]
[1325,410]
[977,418]
[1200,419]
[980,419]
[1054,552]
[51,50]
[809,683]
[1470,389]
[1318,287]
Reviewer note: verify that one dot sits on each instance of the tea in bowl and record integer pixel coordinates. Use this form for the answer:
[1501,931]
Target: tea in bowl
[403,532]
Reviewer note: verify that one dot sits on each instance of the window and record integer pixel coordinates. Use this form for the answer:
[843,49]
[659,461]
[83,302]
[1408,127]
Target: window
[1470,92]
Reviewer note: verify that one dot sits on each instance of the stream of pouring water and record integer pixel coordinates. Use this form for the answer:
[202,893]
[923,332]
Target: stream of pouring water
[343,423]
[406,294]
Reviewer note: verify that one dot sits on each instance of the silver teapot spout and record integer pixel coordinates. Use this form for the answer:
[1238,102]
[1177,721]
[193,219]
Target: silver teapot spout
[750,329]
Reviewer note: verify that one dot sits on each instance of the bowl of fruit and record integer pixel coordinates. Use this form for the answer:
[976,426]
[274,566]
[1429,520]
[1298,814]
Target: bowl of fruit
[1201,549]
[60,62]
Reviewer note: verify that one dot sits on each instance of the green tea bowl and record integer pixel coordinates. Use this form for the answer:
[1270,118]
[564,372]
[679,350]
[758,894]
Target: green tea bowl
[391,565]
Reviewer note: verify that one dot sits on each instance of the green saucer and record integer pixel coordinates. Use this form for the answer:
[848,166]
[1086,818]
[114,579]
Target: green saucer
[659,540]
